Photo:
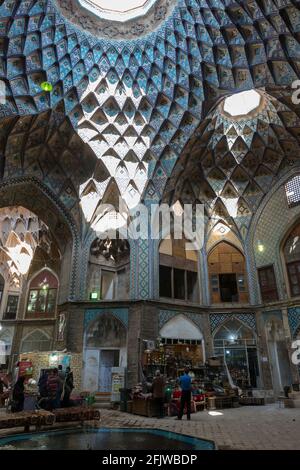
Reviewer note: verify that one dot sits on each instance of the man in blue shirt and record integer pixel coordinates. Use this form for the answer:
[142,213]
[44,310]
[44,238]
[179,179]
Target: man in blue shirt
[185,383]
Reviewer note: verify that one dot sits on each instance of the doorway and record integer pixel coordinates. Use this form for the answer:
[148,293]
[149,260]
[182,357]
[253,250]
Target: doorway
[98,366]
[108,359]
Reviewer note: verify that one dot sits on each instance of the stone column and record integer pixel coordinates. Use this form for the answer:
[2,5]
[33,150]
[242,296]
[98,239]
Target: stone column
[289,341]
[262,347]
[142,325]
[207,336]
[74,329]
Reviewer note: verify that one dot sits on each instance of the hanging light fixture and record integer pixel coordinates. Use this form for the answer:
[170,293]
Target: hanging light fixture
[46,86]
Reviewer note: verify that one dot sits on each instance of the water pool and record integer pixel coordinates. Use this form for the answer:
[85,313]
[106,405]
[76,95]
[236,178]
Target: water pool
[103,439]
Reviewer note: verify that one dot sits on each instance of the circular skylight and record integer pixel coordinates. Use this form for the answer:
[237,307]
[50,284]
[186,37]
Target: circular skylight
[118,5]
[118,10]
[242,103]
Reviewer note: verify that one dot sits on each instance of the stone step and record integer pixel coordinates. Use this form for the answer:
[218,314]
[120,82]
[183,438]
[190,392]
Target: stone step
[102,399]
[102,405]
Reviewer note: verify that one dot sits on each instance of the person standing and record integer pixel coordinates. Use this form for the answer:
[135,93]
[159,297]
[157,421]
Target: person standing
[158,391]
[185,383]
[61,373]
[68,387]
[18,396]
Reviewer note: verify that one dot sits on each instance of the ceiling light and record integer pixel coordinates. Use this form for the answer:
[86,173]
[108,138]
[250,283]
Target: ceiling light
[241,104]
[260,246]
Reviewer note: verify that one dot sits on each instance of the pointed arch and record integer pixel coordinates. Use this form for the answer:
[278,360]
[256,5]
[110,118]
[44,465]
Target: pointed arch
[36,340]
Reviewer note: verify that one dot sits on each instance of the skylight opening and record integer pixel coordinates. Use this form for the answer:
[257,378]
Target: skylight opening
[292,191]
[242,104]
[119,5]
[118,10]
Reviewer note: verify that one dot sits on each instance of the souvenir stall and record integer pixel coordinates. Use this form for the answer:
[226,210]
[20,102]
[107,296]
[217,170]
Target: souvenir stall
[212,385]
[30,365]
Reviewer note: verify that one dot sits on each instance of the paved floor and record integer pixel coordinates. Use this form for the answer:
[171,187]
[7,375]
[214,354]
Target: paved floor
[249,427]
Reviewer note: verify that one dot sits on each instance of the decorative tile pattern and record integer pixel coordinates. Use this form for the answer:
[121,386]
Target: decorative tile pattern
[216,319]
[294,320]
[120,313]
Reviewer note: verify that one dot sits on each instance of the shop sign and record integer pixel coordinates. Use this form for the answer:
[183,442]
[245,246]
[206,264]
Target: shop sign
[56,359]
[117,382]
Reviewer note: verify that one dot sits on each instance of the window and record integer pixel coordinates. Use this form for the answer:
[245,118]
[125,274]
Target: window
[178,277]
[291,251]
[267,282]
[179,283]
[107,284]
[294,277]
[42,296]
[36,341]
[192,286]
[165,281]
[228,287]
[292,191]
[11,308]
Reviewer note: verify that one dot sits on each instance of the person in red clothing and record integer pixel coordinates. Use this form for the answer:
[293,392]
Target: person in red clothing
[54,386]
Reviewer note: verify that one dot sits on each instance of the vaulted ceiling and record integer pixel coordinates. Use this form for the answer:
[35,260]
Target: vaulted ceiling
[144,98]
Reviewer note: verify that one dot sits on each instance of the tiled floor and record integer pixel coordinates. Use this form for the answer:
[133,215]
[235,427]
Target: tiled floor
[251,427]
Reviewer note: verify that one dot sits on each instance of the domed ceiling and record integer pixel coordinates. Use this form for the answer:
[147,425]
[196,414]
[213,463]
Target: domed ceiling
[137,92]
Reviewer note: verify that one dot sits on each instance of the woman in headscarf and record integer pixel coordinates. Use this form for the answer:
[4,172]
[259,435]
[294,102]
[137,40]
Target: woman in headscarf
[18,395]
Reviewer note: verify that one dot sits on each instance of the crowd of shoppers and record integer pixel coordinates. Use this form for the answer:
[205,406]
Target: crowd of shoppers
[55,389]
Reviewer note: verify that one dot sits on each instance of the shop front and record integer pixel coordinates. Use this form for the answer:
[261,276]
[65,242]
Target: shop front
[180,344]
[236,344]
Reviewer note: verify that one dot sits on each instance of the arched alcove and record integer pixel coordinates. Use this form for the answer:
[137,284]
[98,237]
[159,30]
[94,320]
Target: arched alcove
[42,295]
[181,327]
[105,349]
[183,344]
[227,272]
[36,340]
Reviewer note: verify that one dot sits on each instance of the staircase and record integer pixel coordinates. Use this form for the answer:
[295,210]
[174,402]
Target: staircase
[102,400]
